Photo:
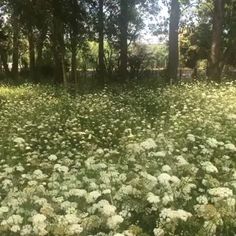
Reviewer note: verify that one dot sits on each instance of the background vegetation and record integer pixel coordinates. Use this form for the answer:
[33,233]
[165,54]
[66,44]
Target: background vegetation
[55,41]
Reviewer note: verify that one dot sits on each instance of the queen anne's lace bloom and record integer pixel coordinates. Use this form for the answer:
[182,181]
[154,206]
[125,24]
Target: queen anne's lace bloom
[151,198]
[221,192]
[114,221]
[209,167]
[148,144]
[169,214]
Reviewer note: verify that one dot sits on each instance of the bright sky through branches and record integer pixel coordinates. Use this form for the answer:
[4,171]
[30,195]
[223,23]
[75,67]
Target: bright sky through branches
[147,36]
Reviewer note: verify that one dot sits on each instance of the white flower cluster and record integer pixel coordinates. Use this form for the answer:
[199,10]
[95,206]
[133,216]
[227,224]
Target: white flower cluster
[172,215]
[39,224]
[100,171]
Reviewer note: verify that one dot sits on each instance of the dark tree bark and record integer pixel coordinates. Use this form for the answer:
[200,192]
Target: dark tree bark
[74,45]
[173,61]
[74,31]
[101,62]
[58,45]
[15,54]
[4,62]
[39,48]
[124,39]
[216,45]
[31,40]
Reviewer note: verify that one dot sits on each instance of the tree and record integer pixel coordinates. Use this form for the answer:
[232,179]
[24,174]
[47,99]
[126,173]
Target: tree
[58,43]
[101,62]
[16,36]
[173,61]
[124,21]
[4,47]
[216,45]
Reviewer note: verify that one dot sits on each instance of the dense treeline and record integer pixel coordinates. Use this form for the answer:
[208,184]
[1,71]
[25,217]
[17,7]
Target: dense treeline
[49,38]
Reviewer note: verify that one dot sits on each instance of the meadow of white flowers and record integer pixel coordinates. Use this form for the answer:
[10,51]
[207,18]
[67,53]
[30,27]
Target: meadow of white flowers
[132,162]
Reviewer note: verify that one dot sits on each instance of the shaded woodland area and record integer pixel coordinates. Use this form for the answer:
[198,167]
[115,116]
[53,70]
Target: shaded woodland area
[56,39]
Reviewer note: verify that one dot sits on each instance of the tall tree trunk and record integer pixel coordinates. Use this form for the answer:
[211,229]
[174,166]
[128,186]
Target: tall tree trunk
[124,38]
[31,40]
[39,48]
[58,45]
[15,54]
[4,62]
[216,45]
[74,31]
[173,61]
[101,63]
[74,60]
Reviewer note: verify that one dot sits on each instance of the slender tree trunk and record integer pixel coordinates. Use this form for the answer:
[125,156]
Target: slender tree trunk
[74,60]
[58,46]
[39,47]
[173,61]
[31,40]
[216,45]
[15,54]
[124,38]
[74,31]
[101,63]
[4,62]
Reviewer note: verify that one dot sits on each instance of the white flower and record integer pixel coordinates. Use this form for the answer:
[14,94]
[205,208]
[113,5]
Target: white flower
[78,192]
[209,167]
[106,209]
[19,140]
[167,199]
[15,228]
[202,200]
[15,220]
[210,227]
[26,230]
[52,158]
[106,191]
[3,209]
[151,179]
[38,218]
[151,198]
[74,229]
[61,168]
[174,179]
[158,232]
[231,117]
[212,142]
[134,148]
[174,214]
[181,161]
[39,225]
[231,202]
[114,221]
[148,144]
[93,196]
[71,219]
[230,147]
[159,154]
[221,192]
[100,151]
[191,138]
[166,168]
[38,174]
[164,179]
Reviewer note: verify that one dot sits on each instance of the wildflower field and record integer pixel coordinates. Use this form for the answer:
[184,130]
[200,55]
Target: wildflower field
[131,162]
